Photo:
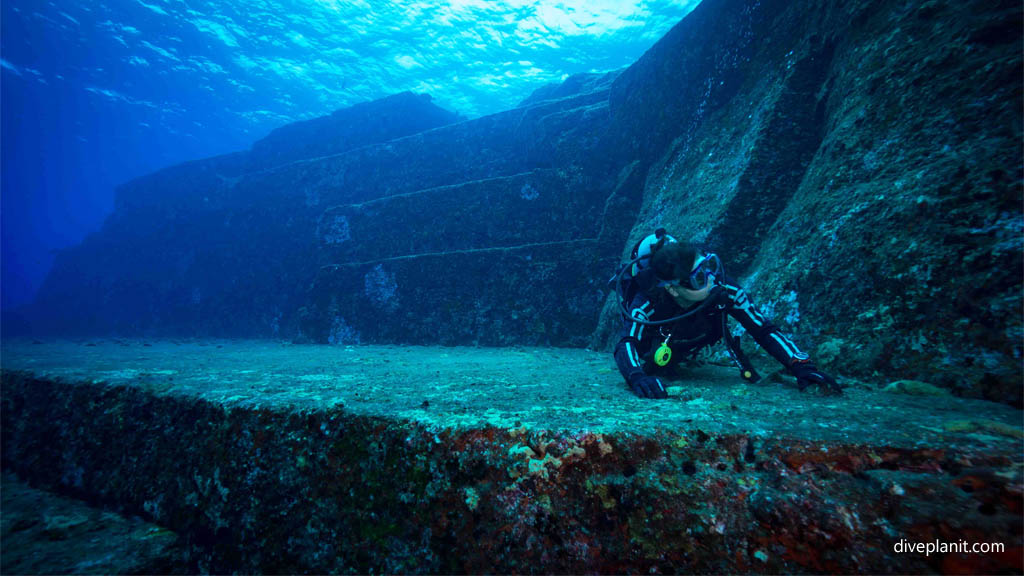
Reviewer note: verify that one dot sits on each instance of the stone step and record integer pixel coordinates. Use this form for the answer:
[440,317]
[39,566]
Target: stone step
[549,289]
[48,533]
[491,146]
[381,120]
[532,207]
[269,457]
[547,135]
[546,293]
[219,248]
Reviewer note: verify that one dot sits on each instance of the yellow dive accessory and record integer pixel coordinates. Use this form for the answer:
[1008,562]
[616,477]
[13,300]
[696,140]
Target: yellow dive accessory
[663,354]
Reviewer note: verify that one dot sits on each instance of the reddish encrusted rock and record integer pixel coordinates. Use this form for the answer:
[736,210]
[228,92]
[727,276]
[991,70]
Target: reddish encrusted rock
[276,458]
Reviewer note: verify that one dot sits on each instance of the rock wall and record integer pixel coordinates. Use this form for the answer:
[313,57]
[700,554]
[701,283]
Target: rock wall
[901,249]
[501,232]
[205,248]
[378,121]
[856,165]
[457,234]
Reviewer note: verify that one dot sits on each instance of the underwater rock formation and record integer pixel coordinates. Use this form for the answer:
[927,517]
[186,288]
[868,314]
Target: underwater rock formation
[349,128]
[571,86]
[44,533]
[278,458]
[497,230]
[202,247]
[855,164]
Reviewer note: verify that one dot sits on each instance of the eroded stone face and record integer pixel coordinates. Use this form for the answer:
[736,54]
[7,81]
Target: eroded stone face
[863,183]
[334,230]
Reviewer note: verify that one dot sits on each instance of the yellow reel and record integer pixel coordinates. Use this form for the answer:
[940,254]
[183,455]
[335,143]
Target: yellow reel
[663,354]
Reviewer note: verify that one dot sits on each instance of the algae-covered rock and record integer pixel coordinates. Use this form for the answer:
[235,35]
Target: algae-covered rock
[990,426]
[46,533]
[828,352]
[915,388]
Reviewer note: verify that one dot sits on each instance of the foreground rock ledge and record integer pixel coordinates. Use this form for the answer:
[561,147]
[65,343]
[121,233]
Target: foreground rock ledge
[48,534]
[270,457]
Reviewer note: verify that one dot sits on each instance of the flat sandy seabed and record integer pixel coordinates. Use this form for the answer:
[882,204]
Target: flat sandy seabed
[539,388]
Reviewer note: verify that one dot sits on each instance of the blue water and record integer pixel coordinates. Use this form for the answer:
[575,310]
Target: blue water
[97,93]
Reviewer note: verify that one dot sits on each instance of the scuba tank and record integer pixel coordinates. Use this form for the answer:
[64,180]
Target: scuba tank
[625,285]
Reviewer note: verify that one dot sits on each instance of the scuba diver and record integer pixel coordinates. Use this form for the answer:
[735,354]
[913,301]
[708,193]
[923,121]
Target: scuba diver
[674,300]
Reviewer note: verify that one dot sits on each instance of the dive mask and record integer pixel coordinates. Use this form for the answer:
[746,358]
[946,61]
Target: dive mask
[704,272]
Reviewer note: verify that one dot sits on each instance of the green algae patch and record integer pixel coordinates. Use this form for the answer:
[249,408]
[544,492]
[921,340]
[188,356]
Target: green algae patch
[990,426]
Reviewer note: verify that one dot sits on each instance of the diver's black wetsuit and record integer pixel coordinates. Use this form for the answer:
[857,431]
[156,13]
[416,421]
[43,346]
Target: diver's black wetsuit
[634,351]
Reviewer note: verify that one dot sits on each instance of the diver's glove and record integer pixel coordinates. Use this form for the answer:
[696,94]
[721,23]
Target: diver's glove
[719,296]
[646,386]
[808,374]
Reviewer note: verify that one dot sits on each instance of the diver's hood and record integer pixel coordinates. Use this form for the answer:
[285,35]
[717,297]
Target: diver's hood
[646,279]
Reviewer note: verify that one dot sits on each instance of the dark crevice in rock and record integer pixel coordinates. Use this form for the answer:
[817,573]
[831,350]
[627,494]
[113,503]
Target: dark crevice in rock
[778,162]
